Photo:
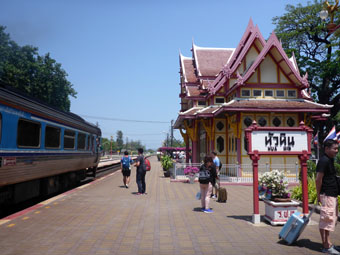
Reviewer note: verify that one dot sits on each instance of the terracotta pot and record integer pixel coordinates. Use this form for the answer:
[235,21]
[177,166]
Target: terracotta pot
[278,199]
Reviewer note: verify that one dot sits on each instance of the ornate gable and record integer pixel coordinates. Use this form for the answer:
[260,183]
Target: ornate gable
[251,44]
[274,64]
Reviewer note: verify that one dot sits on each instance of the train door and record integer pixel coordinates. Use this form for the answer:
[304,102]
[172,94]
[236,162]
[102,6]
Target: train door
[97,148]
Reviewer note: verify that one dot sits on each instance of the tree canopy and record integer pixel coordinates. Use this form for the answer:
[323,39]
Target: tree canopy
[119,140]
[39,76]
[317,52]
[175,143]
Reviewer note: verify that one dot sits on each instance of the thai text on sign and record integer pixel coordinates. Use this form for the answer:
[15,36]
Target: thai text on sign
[279,141]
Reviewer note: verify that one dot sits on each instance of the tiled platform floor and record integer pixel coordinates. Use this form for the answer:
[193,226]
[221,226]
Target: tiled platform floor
[106,218]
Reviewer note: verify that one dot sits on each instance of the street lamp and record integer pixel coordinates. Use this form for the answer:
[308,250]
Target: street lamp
[111,148]
[330,10]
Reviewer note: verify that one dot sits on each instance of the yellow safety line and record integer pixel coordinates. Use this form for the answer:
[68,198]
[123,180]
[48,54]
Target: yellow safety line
[51,199]
[4,221]
[84,186]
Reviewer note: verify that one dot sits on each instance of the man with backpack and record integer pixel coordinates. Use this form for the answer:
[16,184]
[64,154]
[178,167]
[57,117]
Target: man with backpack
[140,172]
[125,163]
[218,166]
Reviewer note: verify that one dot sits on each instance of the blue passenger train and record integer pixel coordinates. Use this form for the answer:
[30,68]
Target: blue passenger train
[42,150]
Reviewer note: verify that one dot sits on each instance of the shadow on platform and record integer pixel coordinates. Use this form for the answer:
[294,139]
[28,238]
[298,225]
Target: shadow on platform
[249,219]
[304,243]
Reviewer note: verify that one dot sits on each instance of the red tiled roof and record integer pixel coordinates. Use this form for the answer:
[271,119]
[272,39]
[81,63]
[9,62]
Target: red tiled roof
[210,61]
[191,111]
[257,105]
[193,91]
[205,83]
[189,71]
[209,110]
[276,105]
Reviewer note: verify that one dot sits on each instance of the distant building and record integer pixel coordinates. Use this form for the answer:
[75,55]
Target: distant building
[223,90]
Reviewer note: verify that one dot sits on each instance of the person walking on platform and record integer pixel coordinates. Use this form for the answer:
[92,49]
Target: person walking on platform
[125,164]
[327,194]
[218,166]
[140,172]
[207,178]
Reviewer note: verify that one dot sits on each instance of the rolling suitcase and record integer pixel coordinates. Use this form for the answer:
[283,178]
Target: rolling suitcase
[222,195]
[295,225]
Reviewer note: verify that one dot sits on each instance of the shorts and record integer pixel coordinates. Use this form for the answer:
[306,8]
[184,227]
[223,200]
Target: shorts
[328,212]
[126,172]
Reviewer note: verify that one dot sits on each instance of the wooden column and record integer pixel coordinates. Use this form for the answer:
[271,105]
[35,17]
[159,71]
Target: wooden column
[303,161]
[256,215]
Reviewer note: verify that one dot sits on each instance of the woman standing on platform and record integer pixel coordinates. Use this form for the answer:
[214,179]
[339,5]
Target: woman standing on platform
[207,178]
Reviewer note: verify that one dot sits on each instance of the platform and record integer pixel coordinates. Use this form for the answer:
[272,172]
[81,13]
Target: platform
[103,217]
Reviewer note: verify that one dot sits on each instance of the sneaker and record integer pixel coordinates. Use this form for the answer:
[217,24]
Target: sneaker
[330,250]
[213,196]
[127,186]
[208,211]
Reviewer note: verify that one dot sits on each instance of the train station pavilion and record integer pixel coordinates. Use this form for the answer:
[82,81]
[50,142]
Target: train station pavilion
[223,90]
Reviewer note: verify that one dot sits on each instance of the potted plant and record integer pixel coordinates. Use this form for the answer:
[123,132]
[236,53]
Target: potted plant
[166,163]
[190,172]
[278,204]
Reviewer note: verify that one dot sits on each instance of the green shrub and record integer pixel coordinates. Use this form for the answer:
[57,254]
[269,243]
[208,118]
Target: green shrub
[311,168]
[337,163]
[337,168]
[312,194]
[166,162]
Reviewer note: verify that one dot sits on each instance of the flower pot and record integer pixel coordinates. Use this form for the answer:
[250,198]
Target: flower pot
[191,178]
[166,172]
[277,213]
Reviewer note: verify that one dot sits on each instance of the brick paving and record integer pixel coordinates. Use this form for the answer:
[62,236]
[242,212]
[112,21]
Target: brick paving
[106,218]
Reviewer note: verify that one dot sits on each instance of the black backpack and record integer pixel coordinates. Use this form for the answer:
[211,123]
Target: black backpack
[204,175]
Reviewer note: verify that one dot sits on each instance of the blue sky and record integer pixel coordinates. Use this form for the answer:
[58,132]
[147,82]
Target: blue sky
[123,56]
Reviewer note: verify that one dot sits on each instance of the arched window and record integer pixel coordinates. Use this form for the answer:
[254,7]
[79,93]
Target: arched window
[220,144]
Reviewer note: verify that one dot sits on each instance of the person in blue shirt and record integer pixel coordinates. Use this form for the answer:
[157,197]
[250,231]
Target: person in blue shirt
[125,163]
[218,166]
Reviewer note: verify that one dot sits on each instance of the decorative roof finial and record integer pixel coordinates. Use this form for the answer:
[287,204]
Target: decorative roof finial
[226,71]
[305,80]
[211,88]
[240,79]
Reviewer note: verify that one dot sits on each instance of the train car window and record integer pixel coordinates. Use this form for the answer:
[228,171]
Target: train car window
[28,134]
[0,126]
[88,142]
[81,141]
[52,137]
[69,139]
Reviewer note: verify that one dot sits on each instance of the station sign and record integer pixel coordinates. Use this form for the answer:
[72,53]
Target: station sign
[279,141]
